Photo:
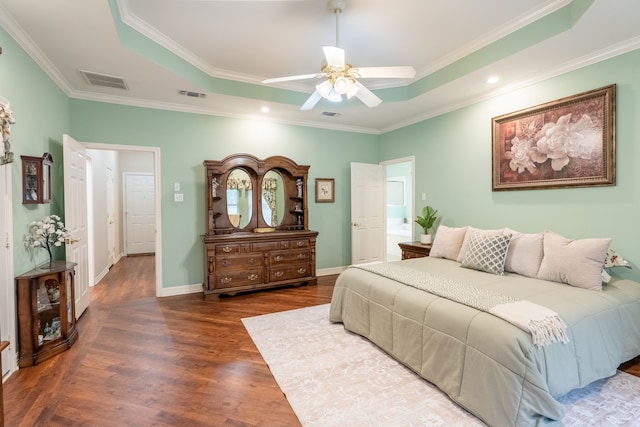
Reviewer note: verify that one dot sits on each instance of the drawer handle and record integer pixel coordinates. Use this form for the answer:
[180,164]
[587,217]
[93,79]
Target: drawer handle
[252,276]
[227,249]
[300,243]
[279,273]
[226,262]
[278,257]
[253,261]
[302,256]
[226,280]
[302,271]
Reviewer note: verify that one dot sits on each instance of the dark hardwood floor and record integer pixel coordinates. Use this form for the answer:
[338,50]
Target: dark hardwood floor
[175,361]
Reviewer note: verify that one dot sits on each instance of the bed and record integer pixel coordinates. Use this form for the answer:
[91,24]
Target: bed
[485,364]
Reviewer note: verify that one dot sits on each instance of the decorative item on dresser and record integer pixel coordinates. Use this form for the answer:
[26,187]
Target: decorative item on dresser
[46,312]
[414,250]
[257,233]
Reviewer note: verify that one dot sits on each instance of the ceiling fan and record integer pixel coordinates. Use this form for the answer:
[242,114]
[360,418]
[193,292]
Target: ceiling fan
[342,78]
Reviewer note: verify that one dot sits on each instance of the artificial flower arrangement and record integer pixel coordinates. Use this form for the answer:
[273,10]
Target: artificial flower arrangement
[46,233]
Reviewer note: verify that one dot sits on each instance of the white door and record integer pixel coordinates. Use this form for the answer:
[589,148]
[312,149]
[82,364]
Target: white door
[367,213]
[75,216]
[111,218]
[139,210]
[7,299]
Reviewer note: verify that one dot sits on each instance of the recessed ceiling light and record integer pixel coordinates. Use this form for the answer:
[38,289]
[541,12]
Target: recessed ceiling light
[265,109]
[493,79]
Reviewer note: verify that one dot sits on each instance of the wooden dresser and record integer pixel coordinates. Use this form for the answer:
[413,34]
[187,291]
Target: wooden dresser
[257,226]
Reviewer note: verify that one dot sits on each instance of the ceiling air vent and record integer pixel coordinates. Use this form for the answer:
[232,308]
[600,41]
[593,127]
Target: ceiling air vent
[96,79]
[330,114]
[191,93]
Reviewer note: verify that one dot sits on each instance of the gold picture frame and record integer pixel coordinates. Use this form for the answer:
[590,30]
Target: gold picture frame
[325,190]
[569,142]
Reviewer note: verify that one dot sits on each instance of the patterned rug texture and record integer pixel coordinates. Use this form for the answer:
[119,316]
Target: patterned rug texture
[332,377]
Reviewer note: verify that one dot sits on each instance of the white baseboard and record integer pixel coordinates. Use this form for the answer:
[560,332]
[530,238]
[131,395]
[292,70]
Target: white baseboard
[100,276]
[181,290]
[330,271]
[197,287]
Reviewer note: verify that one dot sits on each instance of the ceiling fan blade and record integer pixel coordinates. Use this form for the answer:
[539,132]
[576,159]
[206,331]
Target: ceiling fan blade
[365,95]
[401,72]
[290,78]
[334,56]
[311,101]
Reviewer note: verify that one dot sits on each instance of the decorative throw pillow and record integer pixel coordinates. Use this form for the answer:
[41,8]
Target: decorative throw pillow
[447,242]
[465,242]
[612,260]
[575,262]
[486,253]
[525,253]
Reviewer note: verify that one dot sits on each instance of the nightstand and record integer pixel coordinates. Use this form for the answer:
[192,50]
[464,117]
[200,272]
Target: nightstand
[414,250]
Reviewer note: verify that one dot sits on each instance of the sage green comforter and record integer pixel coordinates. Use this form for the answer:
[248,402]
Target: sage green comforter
[484,363]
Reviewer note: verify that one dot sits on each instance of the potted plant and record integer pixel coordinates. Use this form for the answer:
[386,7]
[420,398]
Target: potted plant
[426,221]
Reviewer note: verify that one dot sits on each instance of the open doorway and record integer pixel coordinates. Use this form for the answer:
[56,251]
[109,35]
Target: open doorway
[399,205]
[110,165]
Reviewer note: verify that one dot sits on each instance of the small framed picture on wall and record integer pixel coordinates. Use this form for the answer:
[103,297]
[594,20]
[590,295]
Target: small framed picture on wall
[325,192]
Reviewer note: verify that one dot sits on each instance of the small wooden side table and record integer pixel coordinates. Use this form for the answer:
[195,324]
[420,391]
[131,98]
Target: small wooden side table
[414,249]
[3,345]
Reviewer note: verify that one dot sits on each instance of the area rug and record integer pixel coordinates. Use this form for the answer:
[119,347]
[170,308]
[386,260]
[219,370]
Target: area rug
[332,377]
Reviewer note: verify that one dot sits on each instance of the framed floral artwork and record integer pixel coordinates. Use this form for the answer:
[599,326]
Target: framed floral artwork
[325,190]
[569,142]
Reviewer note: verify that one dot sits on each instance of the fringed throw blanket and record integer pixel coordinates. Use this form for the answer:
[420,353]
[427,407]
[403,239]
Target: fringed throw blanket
[545,326]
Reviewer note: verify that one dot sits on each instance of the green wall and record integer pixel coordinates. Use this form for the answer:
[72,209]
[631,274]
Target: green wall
[453,165]
[41,112]
[452,151]
[185,140]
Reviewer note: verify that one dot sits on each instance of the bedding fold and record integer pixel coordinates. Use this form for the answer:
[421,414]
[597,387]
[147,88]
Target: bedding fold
[544,325]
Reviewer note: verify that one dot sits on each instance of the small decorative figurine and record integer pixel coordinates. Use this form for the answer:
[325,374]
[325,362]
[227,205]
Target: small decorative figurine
[299,186]
[214,187]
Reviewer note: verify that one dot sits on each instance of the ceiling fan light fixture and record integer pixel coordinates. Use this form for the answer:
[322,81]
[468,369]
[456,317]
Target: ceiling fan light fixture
[342,85]
[352,91]
[334,96]
[324,88]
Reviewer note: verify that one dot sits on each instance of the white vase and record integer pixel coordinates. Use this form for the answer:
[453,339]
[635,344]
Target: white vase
[425,239]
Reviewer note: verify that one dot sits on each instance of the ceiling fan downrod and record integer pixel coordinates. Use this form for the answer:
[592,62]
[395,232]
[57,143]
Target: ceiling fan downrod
[337,6]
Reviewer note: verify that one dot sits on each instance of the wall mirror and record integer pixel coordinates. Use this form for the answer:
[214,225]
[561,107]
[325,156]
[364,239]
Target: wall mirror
[239,198]
[273,203]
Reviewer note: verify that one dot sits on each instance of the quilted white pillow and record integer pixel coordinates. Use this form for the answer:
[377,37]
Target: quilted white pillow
[447,242]
[486,253]
[465,242]
[525,253]
[575,262]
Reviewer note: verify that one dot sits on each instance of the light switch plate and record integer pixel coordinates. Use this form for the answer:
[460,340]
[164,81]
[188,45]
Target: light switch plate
[176,186]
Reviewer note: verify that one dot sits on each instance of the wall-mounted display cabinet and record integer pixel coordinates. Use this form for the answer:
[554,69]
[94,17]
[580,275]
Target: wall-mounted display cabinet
[36,179]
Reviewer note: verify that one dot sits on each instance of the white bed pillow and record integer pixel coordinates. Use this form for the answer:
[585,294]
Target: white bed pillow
[447,242]
[465,242]
[486,252]
[525,253]
[575,262]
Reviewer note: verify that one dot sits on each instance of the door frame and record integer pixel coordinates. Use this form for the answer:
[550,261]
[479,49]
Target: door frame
[408,159]
[156,183]
[9,293]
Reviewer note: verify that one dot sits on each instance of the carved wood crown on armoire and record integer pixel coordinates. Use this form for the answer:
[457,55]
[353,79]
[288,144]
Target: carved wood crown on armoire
[258,233]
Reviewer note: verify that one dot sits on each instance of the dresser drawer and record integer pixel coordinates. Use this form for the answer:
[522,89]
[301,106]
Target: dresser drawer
[288,272]
[287,257]
[298,243]
[228,249]
[236,262]
[233,279]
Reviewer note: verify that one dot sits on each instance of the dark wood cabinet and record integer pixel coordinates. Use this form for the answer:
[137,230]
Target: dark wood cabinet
[46,312]
[257,233]
[414,250]
[36,179]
